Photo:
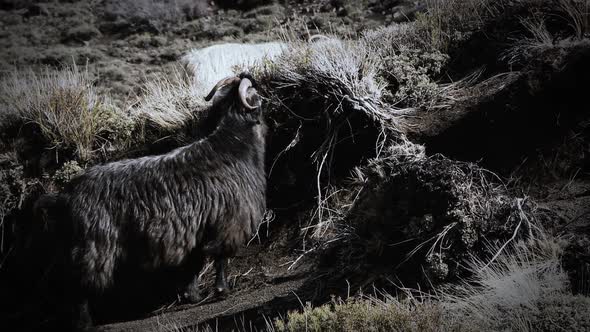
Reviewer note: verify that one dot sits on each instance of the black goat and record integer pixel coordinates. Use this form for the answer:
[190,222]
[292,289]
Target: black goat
[170,211]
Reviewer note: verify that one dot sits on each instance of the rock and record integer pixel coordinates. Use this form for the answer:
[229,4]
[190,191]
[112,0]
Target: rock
[241,4]
[82,32]
[319,21]
[140,58]
[36,10]
[14,4]
[388,19]
[158,41]
[406,13]
[170,54]
[326,8]
[195,9]
[398,17]
[337,3]
[383,7]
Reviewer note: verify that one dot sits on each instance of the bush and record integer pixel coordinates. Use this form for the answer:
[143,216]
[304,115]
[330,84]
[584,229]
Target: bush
[366,314]
[412,76]
[68,171]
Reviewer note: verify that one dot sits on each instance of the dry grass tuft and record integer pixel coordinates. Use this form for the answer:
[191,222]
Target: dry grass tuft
[170,102]
[577,13]
[65,108]
[524,289]
[448,21]
[538,38]
[337,73]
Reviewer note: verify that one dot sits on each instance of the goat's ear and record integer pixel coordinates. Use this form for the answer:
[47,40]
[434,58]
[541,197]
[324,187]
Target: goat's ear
[220,93]
[228,81]
[253,98]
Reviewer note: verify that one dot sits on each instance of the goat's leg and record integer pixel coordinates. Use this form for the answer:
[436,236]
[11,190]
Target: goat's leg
[221,279]
[78,309]
[78,296]
[191,291]
[82,319]
[220,261]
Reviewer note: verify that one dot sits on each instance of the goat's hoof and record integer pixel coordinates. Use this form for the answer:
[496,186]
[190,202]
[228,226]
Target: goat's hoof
[82,320]
[221,291]
[193,296]
[81,325]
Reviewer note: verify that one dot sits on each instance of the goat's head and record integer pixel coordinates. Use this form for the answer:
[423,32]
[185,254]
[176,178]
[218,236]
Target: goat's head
[245,84]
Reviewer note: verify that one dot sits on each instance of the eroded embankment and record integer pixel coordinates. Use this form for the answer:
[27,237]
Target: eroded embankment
[415,217]
[366,195]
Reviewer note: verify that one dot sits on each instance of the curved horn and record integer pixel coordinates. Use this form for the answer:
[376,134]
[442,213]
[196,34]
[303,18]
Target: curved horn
[225,81]
[314,37]
[242,90]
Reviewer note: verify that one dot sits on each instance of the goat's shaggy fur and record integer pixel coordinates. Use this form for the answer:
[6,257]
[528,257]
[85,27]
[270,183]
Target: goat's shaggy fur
[162,211]
[210,64]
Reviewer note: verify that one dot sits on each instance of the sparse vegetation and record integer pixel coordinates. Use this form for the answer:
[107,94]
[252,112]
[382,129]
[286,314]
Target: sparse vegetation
[355,122]
[169,103]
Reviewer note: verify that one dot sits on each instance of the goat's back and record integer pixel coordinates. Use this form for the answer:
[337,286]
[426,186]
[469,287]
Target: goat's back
[155,211]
